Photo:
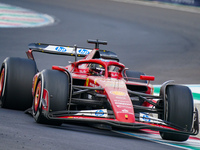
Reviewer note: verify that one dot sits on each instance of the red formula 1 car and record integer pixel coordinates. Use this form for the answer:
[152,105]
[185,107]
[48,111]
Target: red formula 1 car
[97,90]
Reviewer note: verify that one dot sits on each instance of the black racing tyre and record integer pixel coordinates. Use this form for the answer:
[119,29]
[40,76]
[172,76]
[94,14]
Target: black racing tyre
[134,74]
[16,83]
[57,85]
[179,111]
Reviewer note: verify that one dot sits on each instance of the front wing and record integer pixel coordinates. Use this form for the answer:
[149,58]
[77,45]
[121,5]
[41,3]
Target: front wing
[65,117]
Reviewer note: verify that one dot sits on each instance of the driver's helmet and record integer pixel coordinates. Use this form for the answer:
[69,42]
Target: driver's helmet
[96,69]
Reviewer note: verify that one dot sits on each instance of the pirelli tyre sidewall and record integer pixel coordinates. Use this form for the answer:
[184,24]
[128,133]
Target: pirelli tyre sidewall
[16,85]
[2,77]
[36,106]
[178,111]
[56,83]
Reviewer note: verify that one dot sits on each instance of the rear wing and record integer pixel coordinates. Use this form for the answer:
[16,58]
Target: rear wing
[59,49]
[68,51]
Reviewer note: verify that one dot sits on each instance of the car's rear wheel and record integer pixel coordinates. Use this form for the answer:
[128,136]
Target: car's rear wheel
[16,83]
[178,111]
[56,84]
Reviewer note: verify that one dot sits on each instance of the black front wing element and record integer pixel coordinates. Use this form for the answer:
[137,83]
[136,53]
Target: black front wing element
[123,125]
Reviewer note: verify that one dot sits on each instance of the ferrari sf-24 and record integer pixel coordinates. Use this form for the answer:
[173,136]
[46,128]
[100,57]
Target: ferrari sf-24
[96,90]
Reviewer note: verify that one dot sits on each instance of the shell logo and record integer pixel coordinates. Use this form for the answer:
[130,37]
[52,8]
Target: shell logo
[118,93]
[87,81]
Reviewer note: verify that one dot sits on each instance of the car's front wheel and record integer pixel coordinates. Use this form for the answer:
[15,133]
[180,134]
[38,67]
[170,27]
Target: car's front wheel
[56,86]
[179,109]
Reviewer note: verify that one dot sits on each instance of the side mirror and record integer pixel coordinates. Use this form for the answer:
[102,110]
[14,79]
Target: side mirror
[146,77]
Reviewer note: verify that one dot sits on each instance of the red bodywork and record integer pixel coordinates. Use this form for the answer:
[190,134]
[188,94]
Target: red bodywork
[113,83]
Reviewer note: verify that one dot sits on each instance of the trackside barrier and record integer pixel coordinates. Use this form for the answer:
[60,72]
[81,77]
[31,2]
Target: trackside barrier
[182,2]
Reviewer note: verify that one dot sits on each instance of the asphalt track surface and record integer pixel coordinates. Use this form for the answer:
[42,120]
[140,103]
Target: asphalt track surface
[157,41]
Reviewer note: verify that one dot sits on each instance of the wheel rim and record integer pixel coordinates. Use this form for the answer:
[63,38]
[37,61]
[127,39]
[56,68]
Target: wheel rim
[2,81]
[37,97]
